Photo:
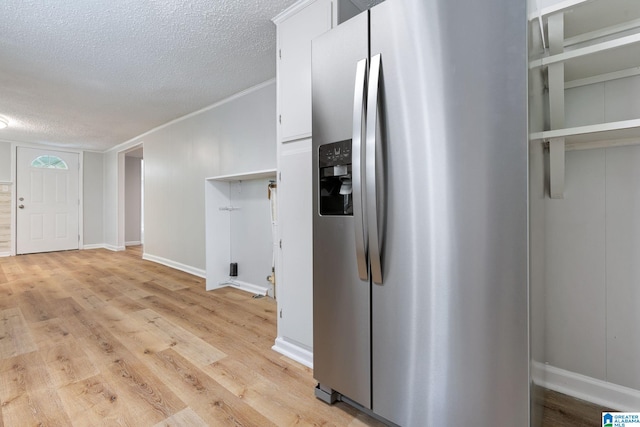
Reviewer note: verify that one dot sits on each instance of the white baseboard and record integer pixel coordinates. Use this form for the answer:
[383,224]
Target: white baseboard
[586,388]
[173,264]
[133,243]
[245,286]
[5,254]
[298,352]
[95,246]
[113,248]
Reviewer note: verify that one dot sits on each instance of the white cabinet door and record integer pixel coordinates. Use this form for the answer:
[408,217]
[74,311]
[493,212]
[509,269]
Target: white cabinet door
[295,291]
[294,67]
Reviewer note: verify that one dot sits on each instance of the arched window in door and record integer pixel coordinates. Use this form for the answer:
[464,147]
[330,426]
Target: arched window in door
[49,162]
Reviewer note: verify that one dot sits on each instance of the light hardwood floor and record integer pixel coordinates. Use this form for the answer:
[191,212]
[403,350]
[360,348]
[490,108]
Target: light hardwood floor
[96,337]
[560,410]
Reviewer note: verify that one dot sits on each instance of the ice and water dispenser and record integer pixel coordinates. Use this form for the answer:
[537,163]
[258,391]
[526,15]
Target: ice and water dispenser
[335,178]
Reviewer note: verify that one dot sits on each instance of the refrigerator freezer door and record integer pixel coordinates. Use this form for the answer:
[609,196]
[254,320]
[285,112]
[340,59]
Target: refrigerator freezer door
[449,328]
[341,300]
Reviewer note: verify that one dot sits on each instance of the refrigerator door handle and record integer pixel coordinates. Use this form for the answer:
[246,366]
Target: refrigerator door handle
[372,149]
[357,161]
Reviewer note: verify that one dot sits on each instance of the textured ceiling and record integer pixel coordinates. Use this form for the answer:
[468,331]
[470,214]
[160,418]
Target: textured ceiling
[94,73]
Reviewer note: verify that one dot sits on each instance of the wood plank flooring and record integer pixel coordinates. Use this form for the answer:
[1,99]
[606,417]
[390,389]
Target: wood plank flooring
[96,337]
[559,410]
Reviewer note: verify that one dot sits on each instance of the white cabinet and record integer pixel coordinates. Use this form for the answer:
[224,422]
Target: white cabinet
[294,288]
[294,67]
[295,227]
[297,27]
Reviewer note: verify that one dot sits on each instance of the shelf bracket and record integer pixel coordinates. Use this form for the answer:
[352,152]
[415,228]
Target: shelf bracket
[555,79]
[556,168]
[541,24]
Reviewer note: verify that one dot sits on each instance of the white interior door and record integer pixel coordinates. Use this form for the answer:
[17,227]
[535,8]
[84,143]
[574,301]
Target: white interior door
[48,200]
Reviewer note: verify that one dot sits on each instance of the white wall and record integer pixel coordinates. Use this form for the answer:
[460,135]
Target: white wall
[133,195]
[622,262]
[93,208]
[110,194]
[592,246]
[231,137]
[538,194]
[251,239]
[603,102]
[575,265]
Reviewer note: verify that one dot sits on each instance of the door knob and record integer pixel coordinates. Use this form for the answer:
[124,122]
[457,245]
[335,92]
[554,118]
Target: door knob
[21,206]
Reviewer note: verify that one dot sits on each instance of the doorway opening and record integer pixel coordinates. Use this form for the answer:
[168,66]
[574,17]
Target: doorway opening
[134,200]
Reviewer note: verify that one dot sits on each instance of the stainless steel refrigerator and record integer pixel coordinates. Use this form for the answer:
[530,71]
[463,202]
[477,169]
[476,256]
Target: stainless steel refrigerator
[420,213]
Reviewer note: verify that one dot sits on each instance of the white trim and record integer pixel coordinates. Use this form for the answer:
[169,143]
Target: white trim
[5,254]
[297,137]
[112,247]
[121,190]
[295,351]
[14,174]
[245,286]
[81,200]
[133,243]
[134,141]
[290,11]
[96,246]
[603,32]
[581,130]
[589,50]
[120,194]
[586,388]
[261,174]
[175,265]
[6,182]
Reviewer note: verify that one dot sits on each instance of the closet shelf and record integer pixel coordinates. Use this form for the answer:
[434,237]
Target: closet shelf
[600,58]
[625,129]
[261,174]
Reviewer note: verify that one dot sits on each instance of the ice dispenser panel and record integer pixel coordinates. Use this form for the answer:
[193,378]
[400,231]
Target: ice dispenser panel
[335,178]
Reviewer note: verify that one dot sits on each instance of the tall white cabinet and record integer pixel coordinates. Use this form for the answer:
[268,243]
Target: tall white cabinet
[296,27]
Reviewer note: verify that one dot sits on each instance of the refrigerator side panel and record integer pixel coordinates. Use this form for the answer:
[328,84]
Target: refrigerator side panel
[450,335]
[341,301]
